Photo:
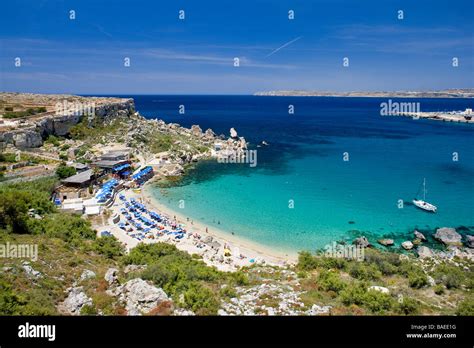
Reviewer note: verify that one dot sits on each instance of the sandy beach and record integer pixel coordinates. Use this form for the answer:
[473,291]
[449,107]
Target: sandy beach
[245,246]
[242,252]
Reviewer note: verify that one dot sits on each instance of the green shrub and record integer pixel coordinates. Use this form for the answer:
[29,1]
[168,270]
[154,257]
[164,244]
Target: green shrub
[306,261]
[228,291]
[53,140]
[363,271]
[64,171]
[10,302]
[417,280]
[439,289]
[170,268]
[201,299]
[354,294]
[451,276]
[330,281]
[408,306]
[68,227]
[375,301]
[15,204]
[88,310]
[8,157]
[378,302]
[466,307]
[109,246]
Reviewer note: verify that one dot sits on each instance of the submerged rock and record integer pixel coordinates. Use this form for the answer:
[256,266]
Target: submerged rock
[362,241]
[419,236]
[448,236]
[386,242]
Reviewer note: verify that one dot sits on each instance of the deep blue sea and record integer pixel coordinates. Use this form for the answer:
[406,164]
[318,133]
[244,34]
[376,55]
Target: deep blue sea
[333,199]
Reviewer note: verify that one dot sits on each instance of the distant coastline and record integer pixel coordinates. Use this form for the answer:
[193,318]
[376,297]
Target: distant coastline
[446,93]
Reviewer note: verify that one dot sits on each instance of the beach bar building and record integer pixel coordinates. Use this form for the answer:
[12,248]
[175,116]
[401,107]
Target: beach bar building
[115,162]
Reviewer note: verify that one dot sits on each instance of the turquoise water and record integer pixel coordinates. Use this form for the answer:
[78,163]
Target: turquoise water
[333,199]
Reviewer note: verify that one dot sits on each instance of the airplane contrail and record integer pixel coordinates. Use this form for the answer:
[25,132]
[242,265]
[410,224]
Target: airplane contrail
[283,46]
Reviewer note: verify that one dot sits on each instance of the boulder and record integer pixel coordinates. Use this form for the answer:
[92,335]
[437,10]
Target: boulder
[209,134]
[362,241]
[419,235]
[379,289]
[75,300]
[111,276]
[386,242]
[87,274]
[196,130]
[407,245]
[318,310]
[424,252]
[139,297]
[233,133]
[30,272]
[448,236]
[185,312]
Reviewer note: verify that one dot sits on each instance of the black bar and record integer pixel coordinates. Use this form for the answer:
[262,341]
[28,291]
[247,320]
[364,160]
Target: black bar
[243,331]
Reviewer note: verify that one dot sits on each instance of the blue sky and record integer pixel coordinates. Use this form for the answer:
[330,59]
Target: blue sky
[195,56]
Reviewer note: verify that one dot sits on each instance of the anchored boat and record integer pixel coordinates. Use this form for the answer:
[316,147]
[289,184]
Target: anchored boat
[422,203]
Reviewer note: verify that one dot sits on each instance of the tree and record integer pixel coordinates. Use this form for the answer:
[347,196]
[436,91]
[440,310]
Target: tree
[109,246]
[64,171]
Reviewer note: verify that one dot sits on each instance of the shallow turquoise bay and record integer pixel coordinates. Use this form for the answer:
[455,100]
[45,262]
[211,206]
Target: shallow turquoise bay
[333,199]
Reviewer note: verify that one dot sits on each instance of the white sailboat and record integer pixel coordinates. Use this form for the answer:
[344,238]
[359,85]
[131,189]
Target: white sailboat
[422,204]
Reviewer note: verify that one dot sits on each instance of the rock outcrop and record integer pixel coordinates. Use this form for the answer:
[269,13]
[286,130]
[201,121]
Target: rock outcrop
[419,235]
[138,296]
[379,289]
[87,274]
[30,132]
[386,242]
[75,301]
[111,276]
[424,252]
[448,236]
[470,241]
[362,241]
[233,133]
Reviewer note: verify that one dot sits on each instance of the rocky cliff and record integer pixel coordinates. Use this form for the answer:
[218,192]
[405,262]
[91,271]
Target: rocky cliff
[31,133]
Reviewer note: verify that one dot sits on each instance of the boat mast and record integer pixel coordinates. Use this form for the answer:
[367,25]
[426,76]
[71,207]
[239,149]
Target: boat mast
[424,189]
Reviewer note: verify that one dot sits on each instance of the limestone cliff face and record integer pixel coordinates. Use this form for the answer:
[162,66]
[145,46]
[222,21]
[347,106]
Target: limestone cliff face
[32,133]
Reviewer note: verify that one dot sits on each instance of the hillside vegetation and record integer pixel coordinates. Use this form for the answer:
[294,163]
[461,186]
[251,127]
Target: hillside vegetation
[68,246]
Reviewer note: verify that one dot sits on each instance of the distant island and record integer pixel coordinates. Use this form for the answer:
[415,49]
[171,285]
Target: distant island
[445,93]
